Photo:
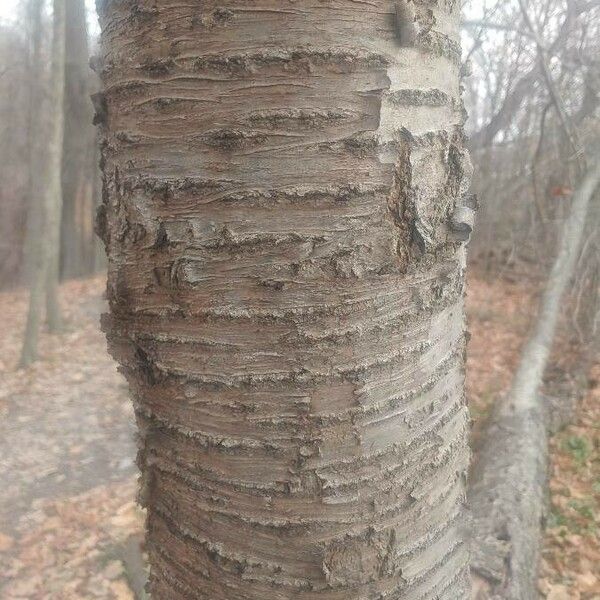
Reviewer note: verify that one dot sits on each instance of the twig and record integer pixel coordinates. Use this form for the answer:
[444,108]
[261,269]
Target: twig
[478,41]
[481,23]
[569,130]
[534,166]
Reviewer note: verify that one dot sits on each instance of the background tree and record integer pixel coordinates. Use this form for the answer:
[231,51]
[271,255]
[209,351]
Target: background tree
[78,148]
[25,48]
[526,169]
[44,282]
[537,126]
[510,482]
[34,124]
[284,216]
[16,142]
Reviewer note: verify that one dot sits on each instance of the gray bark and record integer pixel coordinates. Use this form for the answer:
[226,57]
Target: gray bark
[286,292]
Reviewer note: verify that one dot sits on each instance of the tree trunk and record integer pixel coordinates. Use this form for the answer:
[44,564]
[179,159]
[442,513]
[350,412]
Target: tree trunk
[35,75]
[34,256]
[78,143]
[44,282]
[283,188]
[53,195]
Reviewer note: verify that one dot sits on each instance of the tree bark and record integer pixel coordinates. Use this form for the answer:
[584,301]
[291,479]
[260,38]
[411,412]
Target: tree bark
[509,481]
[77,145]
[283,213]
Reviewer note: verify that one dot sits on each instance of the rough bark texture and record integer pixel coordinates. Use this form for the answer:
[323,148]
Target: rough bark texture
[286,283]
[509,483]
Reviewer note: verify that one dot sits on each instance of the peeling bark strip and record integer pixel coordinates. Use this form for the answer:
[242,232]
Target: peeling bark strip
[286,293]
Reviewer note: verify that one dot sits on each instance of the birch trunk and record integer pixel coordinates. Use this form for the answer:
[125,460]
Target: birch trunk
[283,188]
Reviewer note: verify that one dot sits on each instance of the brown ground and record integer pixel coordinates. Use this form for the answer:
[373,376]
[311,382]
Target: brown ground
[66,458]
[66,453]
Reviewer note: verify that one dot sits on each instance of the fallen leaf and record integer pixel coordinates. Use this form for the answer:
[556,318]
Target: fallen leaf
[559,592]
[121,590]
[588,582]
[6,542]
[23,588]
[113,570]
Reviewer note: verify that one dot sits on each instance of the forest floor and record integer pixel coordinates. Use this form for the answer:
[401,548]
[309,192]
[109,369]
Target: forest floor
[67,500]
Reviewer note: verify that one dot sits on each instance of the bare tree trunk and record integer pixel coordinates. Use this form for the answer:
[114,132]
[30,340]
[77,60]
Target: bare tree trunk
[78,143]
[509,483]
[54,187]
[34,255]
[45,274]
[282,212]
[35,74]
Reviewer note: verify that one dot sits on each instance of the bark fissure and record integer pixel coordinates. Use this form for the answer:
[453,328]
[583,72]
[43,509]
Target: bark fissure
[286,293]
